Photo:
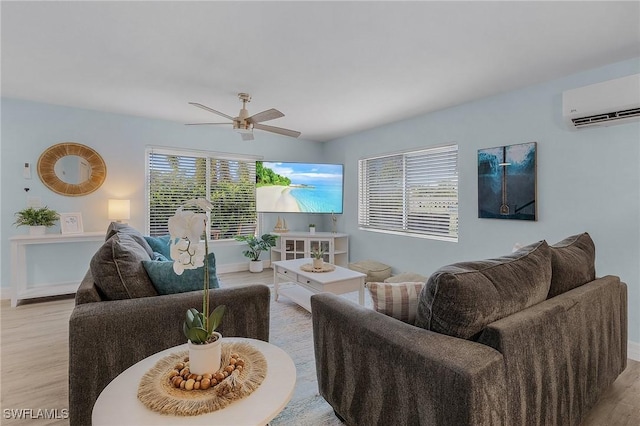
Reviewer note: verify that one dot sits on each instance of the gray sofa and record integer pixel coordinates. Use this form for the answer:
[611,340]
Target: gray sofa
[532,338]
[107,336]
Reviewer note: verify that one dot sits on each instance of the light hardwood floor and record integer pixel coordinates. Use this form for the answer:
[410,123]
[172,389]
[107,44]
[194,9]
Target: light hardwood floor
[34,366]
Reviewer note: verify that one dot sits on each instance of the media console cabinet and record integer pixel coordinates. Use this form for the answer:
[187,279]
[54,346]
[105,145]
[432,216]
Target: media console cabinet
[299,245]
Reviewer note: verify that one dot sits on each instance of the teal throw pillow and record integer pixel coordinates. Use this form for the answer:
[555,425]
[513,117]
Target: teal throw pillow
[159,256]
[166,281]
[160,245]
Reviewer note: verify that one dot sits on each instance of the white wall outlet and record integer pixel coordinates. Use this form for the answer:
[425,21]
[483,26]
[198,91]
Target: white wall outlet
[26,172]
[35,202]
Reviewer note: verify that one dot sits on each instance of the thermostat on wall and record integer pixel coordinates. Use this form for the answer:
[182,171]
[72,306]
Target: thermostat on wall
[26,172]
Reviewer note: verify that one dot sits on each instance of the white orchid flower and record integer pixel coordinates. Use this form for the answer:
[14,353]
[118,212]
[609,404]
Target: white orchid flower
[199,255]
[186,228]
[201,203]
[186,255]
[187,224]
[178,267]
[181,245]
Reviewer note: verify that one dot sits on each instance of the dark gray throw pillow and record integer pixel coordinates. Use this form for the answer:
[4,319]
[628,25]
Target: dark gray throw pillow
[462,299]
[117,269]
[123,228]
[572,263]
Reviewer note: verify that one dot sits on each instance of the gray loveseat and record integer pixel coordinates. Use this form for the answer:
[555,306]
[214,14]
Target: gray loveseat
[532,338]
[108,336]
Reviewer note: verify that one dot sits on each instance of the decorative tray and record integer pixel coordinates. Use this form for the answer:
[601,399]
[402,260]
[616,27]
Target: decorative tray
[327,267]
[158,393]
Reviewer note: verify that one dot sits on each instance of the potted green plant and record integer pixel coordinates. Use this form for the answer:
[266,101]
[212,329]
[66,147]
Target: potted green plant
[256,246]
[37,219]
[318,258]
[186,228]
[312,228]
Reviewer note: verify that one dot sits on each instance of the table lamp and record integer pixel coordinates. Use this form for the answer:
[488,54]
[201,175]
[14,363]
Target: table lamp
[119,210]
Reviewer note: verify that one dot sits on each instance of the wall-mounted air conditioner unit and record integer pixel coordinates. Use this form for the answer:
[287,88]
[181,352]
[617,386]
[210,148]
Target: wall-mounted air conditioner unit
[603,104]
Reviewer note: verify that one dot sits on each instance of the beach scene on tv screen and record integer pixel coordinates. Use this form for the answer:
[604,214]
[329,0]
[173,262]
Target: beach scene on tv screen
[298,187]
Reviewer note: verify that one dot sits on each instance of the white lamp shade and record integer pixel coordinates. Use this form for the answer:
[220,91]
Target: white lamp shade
[119,209]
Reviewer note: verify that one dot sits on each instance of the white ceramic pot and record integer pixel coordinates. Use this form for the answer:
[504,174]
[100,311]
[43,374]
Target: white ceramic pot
[205,358]
[318,263]
[312,230]
[255,266]
[37,230]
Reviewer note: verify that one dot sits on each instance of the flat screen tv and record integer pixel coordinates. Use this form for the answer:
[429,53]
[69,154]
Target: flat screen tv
[299,187]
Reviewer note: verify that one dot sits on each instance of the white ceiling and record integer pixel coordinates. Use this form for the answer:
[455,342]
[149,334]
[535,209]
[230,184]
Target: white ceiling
[333,68]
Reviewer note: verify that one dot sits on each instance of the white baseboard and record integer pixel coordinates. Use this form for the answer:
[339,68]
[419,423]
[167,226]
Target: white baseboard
[633,350]
[232,267]
[238,267]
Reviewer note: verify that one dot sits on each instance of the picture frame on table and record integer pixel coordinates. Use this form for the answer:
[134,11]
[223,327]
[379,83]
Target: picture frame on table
[71,223]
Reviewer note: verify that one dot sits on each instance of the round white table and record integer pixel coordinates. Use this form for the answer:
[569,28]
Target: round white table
[118,403]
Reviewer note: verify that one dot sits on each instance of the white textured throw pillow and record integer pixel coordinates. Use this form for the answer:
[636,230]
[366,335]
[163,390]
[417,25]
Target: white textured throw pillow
[397,300]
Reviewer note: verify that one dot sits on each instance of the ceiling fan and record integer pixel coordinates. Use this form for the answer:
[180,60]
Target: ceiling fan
[244,124]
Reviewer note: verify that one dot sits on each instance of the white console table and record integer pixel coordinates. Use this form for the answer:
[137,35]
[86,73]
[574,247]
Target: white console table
[19,264]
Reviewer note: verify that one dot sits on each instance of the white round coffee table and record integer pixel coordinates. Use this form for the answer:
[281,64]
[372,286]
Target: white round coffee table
[118,403]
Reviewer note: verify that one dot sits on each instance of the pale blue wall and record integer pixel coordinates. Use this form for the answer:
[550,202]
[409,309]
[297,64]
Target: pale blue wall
[28,128]
[588,180]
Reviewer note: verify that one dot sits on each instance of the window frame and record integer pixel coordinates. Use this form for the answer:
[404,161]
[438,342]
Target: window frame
[401,190]
[163,150]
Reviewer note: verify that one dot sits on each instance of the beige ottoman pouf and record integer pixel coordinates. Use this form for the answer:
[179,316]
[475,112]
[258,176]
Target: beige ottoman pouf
[376,271]
[407,277]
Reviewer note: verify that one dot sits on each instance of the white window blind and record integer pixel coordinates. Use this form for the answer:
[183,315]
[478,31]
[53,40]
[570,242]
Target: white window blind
[413,193]
[228,182]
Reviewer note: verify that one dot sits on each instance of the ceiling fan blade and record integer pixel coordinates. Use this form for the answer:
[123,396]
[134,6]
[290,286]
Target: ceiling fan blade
[267,115]
[247,136]
[278,130]
[205,124]
[206,108]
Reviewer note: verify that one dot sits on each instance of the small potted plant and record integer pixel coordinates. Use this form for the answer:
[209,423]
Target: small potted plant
[38,220]
[256,246]
[318,258]
[312,228]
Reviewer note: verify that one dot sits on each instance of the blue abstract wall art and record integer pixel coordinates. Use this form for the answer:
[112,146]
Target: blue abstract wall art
[507,182]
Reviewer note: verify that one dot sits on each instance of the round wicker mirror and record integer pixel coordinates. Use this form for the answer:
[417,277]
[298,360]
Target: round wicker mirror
[70,158]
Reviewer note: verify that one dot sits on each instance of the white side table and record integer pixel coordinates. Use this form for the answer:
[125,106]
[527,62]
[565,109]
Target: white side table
[118,403]
[19,264]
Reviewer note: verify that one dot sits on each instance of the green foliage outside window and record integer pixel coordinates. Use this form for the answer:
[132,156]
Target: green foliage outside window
[176,178]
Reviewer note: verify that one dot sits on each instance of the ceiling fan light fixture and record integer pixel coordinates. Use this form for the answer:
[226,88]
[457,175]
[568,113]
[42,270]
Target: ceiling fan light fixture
[244,124]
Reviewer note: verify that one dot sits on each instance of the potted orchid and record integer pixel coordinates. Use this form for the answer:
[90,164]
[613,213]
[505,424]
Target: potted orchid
[185,228]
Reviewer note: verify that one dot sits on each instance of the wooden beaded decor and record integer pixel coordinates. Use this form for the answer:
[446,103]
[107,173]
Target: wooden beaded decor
[166,390]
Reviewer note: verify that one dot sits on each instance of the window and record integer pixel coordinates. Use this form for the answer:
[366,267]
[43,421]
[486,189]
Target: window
[412,193]
[228,181]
